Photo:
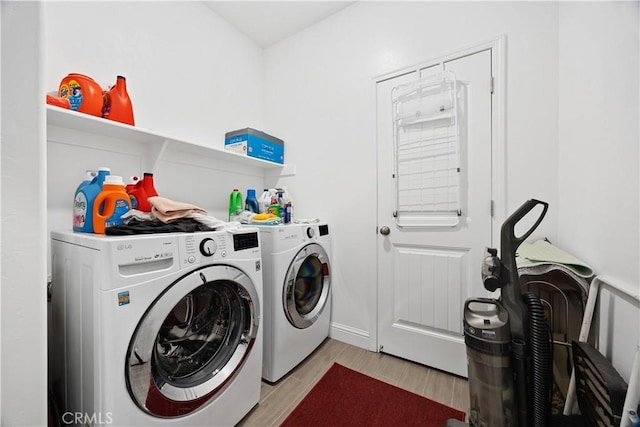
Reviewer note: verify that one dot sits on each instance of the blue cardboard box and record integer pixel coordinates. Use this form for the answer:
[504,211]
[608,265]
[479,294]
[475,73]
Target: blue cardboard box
[254,143]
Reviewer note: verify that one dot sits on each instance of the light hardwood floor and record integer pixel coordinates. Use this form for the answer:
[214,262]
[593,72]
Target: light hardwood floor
[279,399]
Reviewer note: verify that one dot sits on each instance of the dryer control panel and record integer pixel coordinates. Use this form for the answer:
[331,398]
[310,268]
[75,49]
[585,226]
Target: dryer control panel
[208,247]
[244,241]
[202,247]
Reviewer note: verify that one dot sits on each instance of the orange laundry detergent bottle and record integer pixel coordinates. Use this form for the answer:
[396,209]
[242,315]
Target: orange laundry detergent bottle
[83,93]
[117,104]
[112,202]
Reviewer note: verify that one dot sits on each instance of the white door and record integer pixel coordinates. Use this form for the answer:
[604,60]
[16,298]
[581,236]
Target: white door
[429,264]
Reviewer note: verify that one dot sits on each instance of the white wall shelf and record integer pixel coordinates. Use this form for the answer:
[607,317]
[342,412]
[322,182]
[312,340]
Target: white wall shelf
[61,121]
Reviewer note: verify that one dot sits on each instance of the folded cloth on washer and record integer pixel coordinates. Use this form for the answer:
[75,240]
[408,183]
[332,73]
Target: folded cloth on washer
[136,214]
[167,210]
[209,221]
[543,252]
[135,226]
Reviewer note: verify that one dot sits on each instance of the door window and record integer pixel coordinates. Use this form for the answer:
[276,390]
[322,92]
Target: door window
[192,341]
[307,286]
[200,334]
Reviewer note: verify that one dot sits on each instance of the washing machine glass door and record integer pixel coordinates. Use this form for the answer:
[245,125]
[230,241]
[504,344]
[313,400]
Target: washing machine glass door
[192,341]
[307,286]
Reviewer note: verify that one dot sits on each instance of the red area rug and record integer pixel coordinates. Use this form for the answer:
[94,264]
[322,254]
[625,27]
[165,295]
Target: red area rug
[346,398]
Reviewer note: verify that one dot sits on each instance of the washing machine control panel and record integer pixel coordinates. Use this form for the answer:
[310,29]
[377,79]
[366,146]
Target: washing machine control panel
[208,247]
[200,247]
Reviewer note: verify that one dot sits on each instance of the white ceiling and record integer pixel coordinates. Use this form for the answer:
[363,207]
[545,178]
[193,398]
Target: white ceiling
[268,22]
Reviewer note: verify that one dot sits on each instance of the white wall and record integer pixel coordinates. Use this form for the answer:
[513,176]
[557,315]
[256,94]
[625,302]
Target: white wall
[189,74]
[23,371]
[598,155]
[320,100]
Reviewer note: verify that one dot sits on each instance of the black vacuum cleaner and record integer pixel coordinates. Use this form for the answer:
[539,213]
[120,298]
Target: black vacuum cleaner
[509,352]
[508,341]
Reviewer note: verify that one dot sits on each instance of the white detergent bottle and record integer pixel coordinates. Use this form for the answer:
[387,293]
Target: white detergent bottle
[264,201]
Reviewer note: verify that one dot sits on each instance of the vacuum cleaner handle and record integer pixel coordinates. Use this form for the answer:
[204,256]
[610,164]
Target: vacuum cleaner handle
[509,243]
[508,235]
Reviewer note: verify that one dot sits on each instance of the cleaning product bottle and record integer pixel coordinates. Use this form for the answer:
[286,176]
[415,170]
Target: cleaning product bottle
[130,188]
[264,201]
[140,195]
[282,206]
[112,202]
[83,93]
[83,201]
[117,104]
[235,203]
[288,203]
[147,184]
[274,206]
[80,204]
[251,202]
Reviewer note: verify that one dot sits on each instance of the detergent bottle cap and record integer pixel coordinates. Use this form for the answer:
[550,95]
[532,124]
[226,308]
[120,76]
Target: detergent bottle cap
[104,169]
[114,180]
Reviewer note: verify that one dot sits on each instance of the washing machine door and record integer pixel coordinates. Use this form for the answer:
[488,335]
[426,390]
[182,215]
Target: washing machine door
[307,286]
[192,341]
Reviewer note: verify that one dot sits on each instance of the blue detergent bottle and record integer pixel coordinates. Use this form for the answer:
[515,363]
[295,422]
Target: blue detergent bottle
[251,203]
[83,200]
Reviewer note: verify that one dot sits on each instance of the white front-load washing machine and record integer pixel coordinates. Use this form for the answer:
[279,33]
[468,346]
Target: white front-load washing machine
[160,329]
[297,294]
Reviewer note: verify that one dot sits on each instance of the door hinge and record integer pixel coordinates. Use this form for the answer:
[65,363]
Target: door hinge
[491,208]
[492,84]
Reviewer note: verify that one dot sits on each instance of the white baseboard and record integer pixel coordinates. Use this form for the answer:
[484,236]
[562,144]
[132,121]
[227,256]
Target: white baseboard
[349,335]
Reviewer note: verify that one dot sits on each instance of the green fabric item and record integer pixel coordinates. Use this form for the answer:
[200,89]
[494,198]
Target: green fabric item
[542,252]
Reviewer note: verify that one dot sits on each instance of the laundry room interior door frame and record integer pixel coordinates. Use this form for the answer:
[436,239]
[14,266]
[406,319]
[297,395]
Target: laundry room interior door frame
[497,46]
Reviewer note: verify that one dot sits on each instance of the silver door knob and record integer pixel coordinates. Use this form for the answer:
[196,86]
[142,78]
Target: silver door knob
[385,230]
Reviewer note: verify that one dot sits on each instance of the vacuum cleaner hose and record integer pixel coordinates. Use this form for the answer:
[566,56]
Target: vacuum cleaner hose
[541,361]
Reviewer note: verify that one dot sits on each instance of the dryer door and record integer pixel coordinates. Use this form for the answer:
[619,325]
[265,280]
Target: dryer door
[192,341]
[307,286]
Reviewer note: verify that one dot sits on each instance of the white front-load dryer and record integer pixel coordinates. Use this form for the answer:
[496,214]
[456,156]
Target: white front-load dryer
[160,329]
[297,294]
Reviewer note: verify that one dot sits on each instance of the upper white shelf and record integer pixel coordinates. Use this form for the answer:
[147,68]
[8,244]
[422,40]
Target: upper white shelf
[157,142]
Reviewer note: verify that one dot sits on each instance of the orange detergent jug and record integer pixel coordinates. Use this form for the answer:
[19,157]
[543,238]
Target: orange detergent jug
[83,93]
[110,204]
[117,104]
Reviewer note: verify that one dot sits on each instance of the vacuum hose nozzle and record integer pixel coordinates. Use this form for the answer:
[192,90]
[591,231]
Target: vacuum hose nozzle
[491,268]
